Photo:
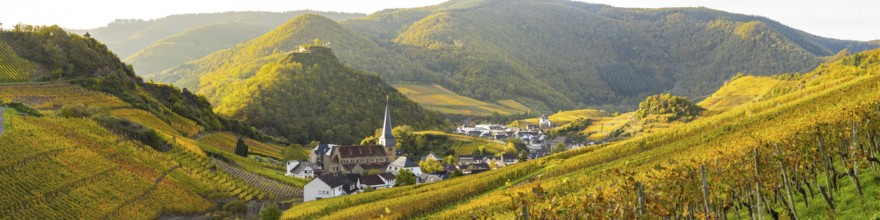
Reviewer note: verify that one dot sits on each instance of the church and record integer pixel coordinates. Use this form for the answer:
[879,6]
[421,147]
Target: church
[358,159]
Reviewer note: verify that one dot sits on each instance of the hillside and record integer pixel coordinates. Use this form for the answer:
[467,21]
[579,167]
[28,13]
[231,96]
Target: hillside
[92,140]
[308,95]
[128,36]
[767,144]
[571,54]
[437,98]
[304,29]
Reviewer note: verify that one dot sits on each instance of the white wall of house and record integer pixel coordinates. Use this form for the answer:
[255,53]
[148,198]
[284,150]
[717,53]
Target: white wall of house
[316,189]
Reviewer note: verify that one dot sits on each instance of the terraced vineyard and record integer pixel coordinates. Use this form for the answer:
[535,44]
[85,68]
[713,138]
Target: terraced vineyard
[52,96]
[226,141]
[275,189]
[56,168]
[435,97]
[204,167]
[12,67]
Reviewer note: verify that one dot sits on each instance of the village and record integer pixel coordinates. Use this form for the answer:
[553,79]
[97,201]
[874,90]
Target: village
[338,170]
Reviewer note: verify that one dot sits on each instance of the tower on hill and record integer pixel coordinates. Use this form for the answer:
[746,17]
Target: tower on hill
[387,139]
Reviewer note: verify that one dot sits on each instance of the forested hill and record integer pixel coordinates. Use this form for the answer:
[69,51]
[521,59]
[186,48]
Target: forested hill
[155,45]
[568,54]
[309,95]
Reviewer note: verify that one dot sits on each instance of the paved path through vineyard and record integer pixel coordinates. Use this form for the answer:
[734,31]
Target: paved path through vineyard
[2,124]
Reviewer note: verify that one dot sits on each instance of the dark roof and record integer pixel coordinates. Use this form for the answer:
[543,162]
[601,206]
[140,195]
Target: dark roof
[361,151]
[321,149]
[372,180]
[387,176]
[335,180]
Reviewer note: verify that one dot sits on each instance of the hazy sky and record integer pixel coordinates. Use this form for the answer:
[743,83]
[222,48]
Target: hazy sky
[843,19]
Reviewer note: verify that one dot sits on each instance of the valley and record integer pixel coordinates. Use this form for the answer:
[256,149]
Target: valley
[465,109]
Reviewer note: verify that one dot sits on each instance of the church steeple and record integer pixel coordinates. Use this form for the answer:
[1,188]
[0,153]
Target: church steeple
[387,139]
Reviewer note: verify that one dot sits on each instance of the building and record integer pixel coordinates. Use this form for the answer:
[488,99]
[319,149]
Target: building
[545,122]
[375,181]
[301,169]
[358,158]
[328,186]
[432,156]
[404,163]
[344,158]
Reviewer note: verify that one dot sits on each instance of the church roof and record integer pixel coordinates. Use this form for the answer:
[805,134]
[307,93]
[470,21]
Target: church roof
[386,125]
[361,151]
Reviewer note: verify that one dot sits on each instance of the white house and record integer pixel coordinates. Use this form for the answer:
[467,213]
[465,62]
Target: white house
[302,169]
[404,163]
[328,186]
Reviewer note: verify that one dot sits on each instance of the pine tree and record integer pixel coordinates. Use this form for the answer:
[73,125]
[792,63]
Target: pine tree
[241,149]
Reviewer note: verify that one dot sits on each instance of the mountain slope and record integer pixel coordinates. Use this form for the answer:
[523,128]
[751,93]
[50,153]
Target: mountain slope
[568,54]
[245,57]
[191,44]
[128,36]
[309,95]
[838,104]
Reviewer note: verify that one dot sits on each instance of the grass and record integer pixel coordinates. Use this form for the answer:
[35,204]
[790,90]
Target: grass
[435,97]
[564,117]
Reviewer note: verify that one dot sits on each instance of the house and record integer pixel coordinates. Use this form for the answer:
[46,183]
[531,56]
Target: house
[545,122]
[475,168]
[433,177]
[300,169]
[509,159]
[328,186]
[374,181]
[433,157]
[319,153]
[404,163]
[465,159]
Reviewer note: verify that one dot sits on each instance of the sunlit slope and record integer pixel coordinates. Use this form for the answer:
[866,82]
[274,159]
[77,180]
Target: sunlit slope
[837,93]
[435,97]
[745,89]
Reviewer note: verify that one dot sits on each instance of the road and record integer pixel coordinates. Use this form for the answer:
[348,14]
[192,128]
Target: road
[2,123]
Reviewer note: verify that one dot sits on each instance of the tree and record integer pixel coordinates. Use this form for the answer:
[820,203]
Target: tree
[430,165]
[236,207]
[492,164]
[451,159]
[270,212]
[523,156]
[294,152]
[241,149]
[456,173]
[405,177]
[559,148]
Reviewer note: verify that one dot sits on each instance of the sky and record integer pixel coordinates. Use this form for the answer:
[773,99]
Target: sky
[841,19]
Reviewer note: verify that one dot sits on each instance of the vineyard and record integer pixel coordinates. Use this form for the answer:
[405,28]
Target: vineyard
[57,168]
[12,67]
[226,141]
[275,189]
[806,153]
[52,96]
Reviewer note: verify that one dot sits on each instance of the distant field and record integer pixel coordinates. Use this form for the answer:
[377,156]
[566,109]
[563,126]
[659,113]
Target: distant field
[435,97]
[465,145]
[741,91]
[565,117]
